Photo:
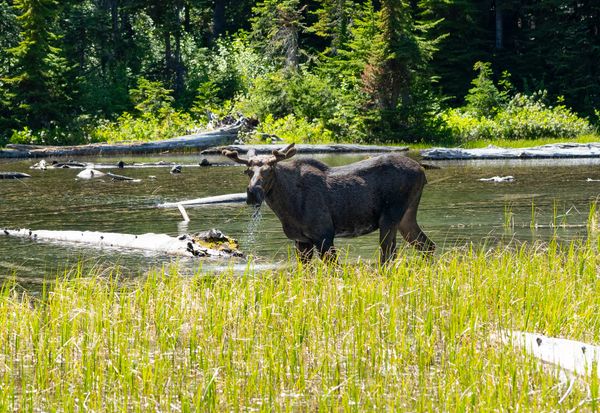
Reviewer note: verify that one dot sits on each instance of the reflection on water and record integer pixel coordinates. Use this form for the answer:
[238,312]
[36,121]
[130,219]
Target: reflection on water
[548,197]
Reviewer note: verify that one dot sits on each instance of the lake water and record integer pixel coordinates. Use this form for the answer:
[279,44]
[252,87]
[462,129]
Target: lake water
[456,209]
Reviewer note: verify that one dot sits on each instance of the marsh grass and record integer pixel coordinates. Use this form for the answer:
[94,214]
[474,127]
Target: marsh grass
[416,335]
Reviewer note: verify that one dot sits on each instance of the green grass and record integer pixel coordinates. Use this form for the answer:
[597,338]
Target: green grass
[417,336]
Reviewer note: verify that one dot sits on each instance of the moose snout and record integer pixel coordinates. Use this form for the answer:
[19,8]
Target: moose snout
[254,195]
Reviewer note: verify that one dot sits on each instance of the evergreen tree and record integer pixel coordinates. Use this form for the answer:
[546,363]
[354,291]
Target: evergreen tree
[397,71]
[9,37]
[38,90]
[276,28]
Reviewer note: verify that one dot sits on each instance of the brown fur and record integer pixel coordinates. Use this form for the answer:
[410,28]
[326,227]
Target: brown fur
[316,203]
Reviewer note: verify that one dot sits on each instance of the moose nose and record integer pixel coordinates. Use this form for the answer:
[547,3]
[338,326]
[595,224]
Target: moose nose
[254,195]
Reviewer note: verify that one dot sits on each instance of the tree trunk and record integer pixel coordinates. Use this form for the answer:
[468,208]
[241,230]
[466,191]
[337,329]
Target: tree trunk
[218,19]
[499,25]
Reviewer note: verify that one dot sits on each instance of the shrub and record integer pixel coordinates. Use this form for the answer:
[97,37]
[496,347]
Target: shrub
[524,117]
[293,129]
[145,128]
[491,113]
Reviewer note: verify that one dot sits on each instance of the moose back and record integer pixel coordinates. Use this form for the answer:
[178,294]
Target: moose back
[315,202]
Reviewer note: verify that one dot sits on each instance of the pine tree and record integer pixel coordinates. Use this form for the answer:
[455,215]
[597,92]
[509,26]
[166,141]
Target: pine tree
[37,84]
[276,29]
[397,71]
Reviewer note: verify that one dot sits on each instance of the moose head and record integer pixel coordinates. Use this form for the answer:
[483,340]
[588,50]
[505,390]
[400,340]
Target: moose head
[261,171]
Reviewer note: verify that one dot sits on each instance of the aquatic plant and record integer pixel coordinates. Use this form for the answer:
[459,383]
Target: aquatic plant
[417,335]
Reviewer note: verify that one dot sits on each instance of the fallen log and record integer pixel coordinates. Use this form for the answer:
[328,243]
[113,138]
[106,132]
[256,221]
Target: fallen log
[13,175]
[116,177]
[574,356]
[551,151]
[307,149]
[212,243]
[196,141]
[211,200]
[90,173]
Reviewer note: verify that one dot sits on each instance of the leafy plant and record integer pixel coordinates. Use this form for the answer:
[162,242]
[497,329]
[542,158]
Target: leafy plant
[492,113]
[295,129]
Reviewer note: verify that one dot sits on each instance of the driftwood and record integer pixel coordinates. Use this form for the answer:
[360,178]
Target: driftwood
[212,243]
[574,356]
[561,150]
[211,200]
[13,175]
[307,149]
[90,173]
[196,141]
[43,165]
[498,179]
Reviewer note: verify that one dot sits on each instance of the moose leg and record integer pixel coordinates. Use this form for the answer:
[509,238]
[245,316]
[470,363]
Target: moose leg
[305,251]
[387,240]
[327,250]
[411,231]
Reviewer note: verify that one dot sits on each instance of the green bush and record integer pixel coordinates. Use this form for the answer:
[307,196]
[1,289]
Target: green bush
[491,113]
[156,117]
[77,132]
[524,117]
[148,127]
[293,129]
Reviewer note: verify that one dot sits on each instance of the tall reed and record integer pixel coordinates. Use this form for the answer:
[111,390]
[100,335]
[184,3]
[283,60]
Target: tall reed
[417,335]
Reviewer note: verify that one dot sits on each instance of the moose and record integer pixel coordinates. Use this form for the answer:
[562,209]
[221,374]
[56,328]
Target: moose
[316,203]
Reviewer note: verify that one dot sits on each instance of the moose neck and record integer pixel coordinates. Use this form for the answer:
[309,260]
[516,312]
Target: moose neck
[283,195]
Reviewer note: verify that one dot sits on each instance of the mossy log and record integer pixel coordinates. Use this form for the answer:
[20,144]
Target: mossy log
[196,141]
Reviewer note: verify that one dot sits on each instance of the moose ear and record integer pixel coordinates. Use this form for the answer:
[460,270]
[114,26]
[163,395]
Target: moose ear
[233,155]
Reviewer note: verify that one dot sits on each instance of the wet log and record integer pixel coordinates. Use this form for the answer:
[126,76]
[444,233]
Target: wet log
[574,356]
[307,149]
[13,175]
[551,151]
[212,243]
[90,173]
[211,200]
[197,141]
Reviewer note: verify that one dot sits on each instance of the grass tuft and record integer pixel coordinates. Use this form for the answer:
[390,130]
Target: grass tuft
[416,335]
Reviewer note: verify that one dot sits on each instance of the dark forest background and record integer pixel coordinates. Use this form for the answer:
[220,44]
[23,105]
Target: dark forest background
[418,70]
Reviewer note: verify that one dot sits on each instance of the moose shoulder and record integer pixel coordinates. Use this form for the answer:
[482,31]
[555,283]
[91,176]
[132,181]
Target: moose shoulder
[315,202]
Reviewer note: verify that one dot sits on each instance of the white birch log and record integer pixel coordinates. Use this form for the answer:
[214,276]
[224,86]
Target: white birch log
[13,175]
[551,151]
[211,200]
[575,356]
[184,245]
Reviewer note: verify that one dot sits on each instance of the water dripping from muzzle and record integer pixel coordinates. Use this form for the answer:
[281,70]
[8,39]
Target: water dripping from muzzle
[253,225]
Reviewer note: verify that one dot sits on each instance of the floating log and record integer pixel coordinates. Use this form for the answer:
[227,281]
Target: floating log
[212,243]
[196,141]
[211,200]
[498,179]
[13,175]
[90,174]
[116,177]
[551,151]
[575,356]
[308,149]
